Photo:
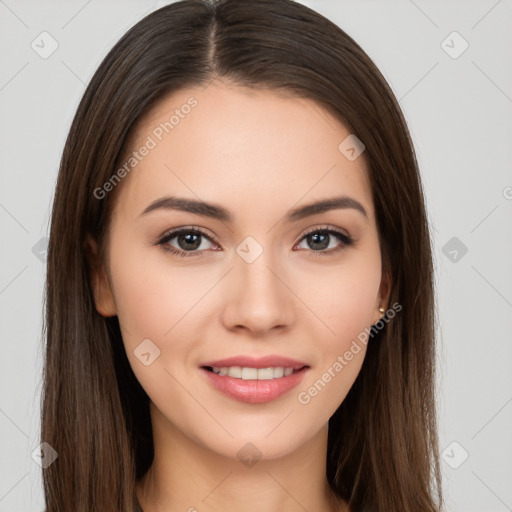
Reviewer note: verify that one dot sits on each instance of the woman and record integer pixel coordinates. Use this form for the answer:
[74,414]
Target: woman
[239,308]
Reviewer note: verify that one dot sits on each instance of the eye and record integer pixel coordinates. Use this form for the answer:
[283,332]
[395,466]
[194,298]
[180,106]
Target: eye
[319,239]
[188,240]
[190,243]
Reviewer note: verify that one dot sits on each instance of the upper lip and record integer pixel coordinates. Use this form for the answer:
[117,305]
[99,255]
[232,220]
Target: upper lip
[257,362]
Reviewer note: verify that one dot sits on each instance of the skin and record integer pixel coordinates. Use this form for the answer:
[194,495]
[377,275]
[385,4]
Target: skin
[257,154]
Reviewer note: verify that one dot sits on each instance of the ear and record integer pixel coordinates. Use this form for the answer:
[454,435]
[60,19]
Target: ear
[103,297]
[383,297]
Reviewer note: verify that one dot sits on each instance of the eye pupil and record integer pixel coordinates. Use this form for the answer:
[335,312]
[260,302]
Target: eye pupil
[189,238]
[324,243]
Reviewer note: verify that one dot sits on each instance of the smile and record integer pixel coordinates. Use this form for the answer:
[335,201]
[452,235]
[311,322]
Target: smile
[253,385]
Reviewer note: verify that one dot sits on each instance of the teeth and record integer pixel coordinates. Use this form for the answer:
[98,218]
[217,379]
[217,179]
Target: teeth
[278,372]
[247,373]
[235,371]
[265,373]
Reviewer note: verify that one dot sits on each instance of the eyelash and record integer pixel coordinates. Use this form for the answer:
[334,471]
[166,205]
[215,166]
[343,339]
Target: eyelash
[346,240]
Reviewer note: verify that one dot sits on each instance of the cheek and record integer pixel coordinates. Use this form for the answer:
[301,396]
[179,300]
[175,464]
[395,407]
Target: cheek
[154,303]
[342,297]
[141,302]
[151,294]
[156,299]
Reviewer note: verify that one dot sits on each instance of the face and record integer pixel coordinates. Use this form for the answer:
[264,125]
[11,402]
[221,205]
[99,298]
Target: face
[248,278]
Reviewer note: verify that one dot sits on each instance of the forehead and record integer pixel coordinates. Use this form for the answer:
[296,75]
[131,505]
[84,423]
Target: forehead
[249,150]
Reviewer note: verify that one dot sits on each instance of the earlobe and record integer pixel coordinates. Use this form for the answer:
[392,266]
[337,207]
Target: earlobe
[383,299]
[103,297]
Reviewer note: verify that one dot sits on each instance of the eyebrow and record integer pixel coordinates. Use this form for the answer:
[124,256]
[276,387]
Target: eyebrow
[218,212]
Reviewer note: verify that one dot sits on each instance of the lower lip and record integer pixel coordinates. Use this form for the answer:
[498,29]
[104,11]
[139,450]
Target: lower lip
[254,391]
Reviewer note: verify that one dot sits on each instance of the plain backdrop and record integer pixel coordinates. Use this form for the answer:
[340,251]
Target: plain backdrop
[449,64]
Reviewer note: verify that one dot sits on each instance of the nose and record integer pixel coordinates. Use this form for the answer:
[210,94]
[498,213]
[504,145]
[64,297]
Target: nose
[257,296]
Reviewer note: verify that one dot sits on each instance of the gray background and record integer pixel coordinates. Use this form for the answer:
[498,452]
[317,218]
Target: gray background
[459,112]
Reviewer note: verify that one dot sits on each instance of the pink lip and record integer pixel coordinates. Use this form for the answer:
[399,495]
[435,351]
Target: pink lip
[256,362]
[254,391]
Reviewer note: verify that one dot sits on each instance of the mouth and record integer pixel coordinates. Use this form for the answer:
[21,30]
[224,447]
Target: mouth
[254,384]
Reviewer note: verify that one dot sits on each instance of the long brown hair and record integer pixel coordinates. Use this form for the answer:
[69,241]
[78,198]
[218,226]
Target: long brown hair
[382,441]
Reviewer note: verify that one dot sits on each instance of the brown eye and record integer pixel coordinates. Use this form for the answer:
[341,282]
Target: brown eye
[189,242]
[322,241]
